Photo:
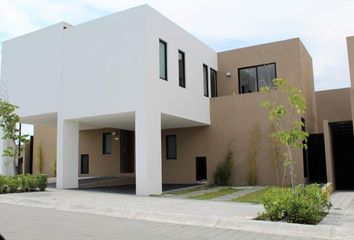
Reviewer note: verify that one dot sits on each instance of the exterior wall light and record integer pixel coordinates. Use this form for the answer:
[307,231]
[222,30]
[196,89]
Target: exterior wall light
[228,74]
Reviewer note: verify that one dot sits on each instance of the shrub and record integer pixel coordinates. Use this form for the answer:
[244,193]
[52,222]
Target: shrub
[223,170]
[303,204]
[13,184]
[23,183]
[2,184]
[42,181]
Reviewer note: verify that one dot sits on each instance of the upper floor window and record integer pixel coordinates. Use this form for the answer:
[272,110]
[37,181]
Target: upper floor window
[181,69]
[205,80]
[107,143]
[252,79]
[213,83]
[163,59]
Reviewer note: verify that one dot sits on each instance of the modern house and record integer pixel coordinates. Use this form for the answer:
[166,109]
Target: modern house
[133,96]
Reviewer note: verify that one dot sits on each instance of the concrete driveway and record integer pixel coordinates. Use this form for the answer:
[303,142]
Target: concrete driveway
[226,215]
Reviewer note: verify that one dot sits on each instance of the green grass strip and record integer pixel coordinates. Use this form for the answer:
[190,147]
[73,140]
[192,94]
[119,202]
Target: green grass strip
[215,194]
[255,197]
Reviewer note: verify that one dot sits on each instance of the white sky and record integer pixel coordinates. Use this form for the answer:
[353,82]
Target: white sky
[322,25]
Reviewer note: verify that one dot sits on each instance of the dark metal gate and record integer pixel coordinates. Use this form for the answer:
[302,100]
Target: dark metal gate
[343,154]
[316,158]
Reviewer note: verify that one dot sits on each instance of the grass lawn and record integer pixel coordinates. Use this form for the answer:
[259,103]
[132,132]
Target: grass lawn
[255,197]
[215,194]
[190,189]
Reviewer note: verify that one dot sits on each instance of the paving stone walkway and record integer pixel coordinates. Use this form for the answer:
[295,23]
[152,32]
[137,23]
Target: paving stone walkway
[22,222]
[242,192]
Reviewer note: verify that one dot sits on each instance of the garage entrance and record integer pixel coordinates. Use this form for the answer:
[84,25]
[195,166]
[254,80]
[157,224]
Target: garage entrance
[343,154]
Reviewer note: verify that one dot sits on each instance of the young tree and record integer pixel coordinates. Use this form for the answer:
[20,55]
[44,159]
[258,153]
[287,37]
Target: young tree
[9,124]
[288,127]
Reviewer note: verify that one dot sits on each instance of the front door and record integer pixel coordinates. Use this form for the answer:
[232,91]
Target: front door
[201,168]
[127,151]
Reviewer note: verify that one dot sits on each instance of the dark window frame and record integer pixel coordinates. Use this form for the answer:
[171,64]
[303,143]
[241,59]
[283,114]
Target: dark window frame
[183,84]
[206,81]
[216,83]
[255,66]
[165,56]
[167,149]
[104,143]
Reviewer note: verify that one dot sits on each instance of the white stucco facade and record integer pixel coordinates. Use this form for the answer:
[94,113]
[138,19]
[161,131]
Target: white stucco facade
[105,73]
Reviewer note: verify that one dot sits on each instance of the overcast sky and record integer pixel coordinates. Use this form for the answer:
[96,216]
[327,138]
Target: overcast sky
[222,24]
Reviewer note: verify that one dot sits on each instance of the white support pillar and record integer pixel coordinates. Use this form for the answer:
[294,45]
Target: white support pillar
[67,154]
[6,163]
[148,153]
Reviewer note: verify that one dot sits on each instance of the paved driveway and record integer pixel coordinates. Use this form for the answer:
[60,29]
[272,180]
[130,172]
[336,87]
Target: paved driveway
[22,222]
[212,215]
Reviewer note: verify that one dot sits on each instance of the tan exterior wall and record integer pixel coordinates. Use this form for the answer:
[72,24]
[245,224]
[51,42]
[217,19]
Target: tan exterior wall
[350,45]
[46,137]
[333,105]
[90,143]
[292,63]
[101,164]
[233,124]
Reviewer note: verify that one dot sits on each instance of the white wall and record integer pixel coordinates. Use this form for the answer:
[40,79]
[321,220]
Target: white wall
[104,65]
[31,68]
[190,102]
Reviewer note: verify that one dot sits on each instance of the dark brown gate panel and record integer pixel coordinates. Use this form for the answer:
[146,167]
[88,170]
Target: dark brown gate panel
[316,158]
[127,151]
[343,154]
[201,168]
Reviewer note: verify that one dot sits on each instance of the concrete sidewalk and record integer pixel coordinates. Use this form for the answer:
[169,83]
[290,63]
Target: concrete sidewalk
[225,215]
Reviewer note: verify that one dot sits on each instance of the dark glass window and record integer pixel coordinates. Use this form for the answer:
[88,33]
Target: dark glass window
[213,83]
[181,69]
[107,143]
[252,79]
[84,163]
[163,60]
[205,80]
[171,147]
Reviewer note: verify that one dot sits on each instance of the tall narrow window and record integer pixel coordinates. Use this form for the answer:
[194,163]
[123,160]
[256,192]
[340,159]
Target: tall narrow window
[213,83]
[205,80]
[252,79]
[163,60]
[181,69]
[107,143]
[171,147]
[84,164]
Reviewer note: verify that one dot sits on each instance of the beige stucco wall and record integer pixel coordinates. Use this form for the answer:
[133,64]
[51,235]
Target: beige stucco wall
[90,143]
[292,63]
[101,164]
[333,105]
[45,135]
[350,46]
[233,124]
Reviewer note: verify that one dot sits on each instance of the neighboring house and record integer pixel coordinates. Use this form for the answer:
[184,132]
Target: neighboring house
[133,95]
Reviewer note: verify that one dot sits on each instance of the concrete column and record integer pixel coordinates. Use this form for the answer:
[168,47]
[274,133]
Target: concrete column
[6,163]
[329,153]
[67,154]
[148,153]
